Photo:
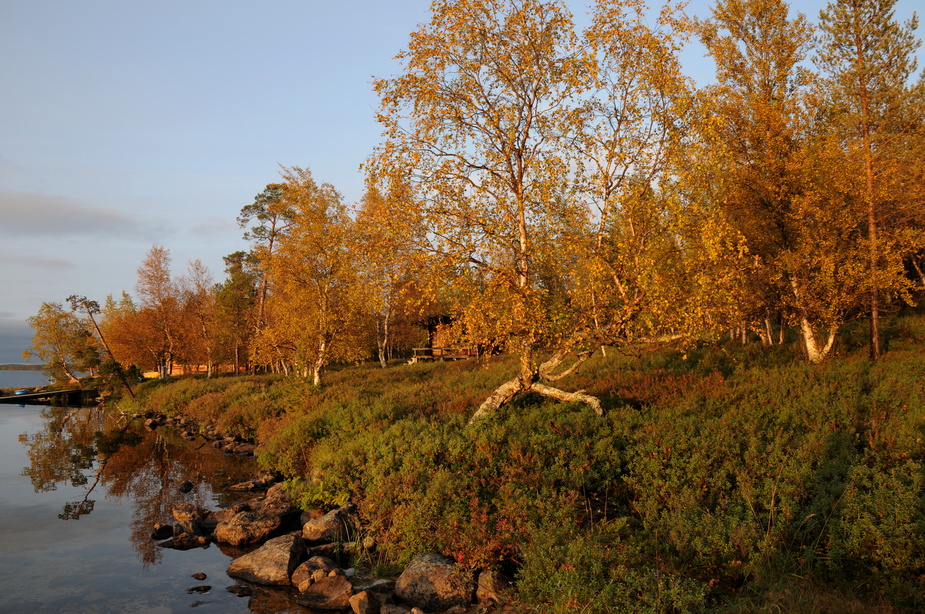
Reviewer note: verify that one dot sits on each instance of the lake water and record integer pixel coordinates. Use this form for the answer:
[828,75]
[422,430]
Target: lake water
[81,489]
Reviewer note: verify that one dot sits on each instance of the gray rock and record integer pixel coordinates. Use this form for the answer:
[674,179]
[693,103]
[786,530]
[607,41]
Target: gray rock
[246,528]
[434,582]
[332,527]
[310,571]
[391,608]
[278,502]
[272,563]
[329,593]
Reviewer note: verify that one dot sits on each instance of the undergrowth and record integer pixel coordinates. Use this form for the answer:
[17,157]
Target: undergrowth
[722,478]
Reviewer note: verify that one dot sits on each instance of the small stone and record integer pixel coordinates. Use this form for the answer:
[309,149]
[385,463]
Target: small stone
[186,487]
[199,576]
[366,602]
[205,588]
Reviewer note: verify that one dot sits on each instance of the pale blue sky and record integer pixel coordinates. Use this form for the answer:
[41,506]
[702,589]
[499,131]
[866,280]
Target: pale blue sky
[124,124]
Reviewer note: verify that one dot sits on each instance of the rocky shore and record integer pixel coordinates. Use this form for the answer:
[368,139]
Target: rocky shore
[275,545]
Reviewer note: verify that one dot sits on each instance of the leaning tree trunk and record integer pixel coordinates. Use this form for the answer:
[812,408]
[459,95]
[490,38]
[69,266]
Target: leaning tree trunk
[530,380]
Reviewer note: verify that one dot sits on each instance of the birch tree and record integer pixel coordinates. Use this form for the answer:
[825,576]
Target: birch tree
[160,306]
[382,246]
[314,305]
[199,316]
[487,120]
[62,342]
[756,145]
[868,57]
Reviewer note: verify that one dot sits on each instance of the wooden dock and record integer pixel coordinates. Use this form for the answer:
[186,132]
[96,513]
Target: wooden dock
[74,396]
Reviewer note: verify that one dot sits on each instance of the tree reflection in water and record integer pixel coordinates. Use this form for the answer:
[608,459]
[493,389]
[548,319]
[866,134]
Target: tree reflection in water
[91,447]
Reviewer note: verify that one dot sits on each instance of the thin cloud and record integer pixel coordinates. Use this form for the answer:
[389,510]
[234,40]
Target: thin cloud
[25,214]
[217,227]
[37,262]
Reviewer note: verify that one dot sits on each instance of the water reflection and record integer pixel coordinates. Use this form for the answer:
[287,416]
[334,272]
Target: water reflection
[113,456]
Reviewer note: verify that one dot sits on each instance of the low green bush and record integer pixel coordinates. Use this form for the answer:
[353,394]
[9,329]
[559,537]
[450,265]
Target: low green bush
[721,474]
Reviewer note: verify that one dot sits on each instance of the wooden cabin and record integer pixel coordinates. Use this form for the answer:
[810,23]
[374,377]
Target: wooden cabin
[440,342]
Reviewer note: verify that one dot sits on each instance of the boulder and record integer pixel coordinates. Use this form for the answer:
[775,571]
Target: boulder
[328,593]
[246,528]
[272,563]
[367,602]
[278,502]
[434,582]
[332,527]
[313,569]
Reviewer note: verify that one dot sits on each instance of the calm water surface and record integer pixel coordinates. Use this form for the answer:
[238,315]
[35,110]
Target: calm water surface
[80,490]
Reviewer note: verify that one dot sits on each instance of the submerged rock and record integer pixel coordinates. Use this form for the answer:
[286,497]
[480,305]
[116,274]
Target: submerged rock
[329,593]
[185,541]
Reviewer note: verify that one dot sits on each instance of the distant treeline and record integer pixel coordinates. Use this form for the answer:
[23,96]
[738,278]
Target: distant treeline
[20,367]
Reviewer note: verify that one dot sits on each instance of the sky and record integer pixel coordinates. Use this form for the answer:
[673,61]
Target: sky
[129,124]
